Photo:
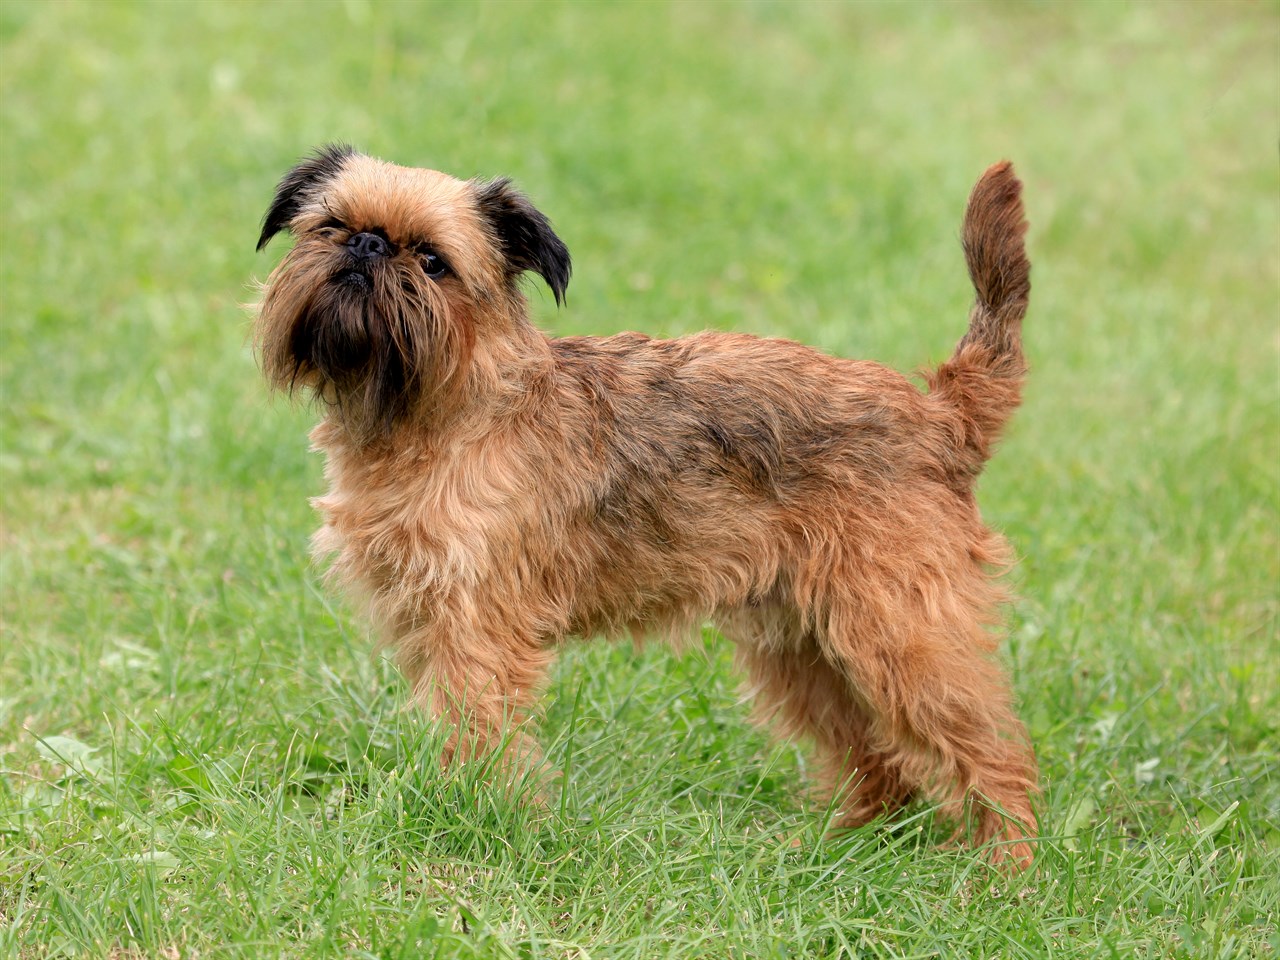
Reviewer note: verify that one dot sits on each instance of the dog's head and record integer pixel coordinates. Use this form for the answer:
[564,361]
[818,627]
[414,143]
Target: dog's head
[395,275]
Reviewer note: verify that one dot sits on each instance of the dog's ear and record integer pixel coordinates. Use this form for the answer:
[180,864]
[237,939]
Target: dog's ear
[527,238]
[297,185]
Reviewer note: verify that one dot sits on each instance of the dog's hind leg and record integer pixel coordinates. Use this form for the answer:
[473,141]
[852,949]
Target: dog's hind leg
[797,692]
[939,709]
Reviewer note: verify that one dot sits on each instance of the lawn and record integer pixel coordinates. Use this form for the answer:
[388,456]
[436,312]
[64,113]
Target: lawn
[201,756]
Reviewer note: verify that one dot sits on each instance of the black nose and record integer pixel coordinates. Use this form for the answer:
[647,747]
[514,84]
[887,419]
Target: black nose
[366,246]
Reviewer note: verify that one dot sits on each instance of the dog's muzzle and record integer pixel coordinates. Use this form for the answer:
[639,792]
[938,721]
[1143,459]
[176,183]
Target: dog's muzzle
[354,279]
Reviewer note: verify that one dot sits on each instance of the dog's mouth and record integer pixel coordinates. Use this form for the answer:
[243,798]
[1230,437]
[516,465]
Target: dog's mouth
[354,279]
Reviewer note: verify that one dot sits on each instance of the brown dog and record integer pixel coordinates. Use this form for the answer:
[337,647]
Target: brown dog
[494,491]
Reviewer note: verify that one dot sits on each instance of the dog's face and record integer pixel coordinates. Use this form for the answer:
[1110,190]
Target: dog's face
[395,276]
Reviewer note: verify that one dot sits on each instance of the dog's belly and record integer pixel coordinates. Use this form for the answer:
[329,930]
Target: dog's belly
[660,561]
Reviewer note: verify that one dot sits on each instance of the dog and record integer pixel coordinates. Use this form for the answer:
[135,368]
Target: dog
[494,491]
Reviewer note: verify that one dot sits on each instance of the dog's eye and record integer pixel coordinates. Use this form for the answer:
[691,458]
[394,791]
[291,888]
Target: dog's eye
[330,227]
[432,265]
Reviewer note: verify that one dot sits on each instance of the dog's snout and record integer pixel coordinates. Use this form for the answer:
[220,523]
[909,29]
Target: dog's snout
[368,246]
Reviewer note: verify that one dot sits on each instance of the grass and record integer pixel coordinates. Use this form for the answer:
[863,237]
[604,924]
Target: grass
[200,757]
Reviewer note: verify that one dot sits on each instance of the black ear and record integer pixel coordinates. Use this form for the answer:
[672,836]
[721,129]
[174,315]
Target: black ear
[322,165]
[526,235]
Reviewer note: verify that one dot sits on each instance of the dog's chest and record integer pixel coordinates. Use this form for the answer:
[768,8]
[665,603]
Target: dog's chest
[419,522]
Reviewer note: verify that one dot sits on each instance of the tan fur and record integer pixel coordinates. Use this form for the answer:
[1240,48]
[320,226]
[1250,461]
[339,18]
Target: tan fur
[511,490]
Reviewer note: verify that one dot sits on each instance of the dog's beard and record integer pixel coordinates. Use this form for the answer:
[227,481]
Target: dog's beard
[364,339]
[360,343]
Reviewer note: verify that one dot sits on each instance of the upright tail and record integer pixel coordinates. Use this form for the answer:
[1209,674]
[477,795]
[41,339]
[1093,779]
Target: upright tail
[983,378]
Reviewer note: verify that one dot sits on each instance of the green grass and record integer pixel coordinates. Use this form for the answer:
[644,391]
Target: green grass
[199,756]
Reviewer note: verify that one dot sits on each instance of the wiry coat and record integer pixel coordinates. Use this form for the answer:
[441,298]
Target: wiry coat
[493,491]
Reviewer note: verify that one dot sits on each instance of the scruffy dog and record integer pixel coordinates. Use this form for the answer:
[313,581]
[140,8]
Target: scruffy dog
[494,491]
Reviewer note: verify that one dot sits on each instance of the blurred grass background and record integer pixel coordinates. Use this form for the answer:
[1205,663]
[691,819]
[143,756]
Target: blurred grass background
[234,777]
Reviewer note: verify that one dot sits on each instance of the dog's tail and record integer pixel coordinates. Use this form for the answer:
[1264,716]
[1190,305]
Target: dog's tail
[983,378]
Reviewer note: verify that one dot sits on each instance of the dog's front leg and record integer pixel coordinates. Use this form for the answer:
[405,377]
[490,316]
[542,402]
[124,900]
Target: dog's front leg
[480,682]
